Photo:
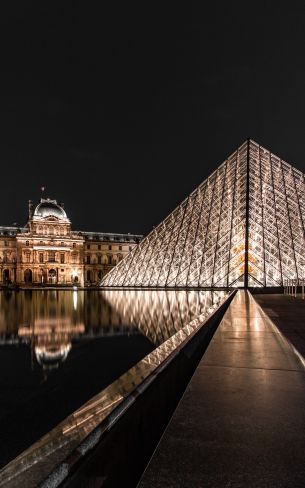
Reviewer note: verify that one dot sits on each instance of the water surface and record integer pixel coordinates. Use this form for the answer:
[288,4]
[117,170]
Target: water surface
[59,348]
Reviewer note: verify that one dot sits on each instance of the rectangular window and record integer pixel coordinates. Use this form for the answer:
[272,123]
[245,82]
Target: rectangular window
[41,257]
[99,260]
[62,258]
[109,247]
[99,247]
[120,248]
[51,256]
[88,259]
[27,257]
[88,246]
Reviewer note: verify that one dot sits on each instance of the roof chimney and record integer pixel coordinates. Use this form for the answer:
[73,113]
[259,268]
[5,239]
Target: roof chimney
[30,209]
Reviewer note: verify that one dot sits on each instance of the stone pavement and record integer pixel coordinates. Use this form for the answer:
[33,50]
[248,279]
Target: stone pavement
[241,421]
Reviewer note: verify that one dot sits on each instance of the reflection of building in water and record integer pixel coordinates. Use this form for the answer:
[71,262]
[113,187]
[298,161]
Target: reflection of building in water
[48,251]
[159,314]
[51,339]
[50,320]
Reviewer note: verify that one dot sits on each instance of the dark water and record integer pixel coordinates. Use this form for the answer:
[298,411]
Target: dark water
[59,348]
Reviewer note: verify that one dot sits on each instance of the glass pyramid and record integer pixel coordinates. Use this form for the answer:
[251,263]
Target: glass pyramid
[242,227]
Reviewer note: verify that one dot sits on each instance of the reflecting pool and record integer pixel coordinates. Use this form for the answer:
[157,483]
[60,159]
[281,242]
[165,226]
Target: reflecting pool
[60,348]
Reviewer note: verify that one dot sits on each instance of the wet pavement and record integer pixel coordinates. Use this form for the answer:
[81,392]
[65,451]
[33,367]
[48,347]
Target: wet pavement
[241,421]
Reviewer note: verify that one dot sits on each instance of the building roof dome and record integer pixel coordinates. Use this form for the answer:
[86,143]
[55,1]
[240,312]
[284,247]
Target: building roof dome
[49,208]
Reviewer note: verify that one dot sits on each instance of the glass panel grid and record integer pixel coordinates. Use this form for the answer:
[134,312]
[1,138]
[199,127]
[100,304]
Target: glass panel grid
[253,198]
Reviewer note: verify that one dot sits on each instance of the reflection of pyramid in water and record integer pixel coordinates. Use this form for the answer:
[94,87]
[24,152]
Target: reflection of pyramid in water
[243,226]
[160,314]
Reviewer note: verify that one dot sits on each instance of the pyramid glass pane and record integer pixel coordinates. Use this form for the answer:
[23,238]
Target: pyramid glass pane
[243,226]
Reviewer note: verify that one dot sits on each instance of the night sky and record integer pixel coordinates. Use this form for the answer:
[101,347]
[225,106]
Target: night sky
[121,109]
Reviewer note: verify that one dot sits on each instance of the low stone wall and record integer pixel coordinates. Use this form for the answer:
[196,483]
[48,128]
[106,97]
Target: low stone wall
[122,453]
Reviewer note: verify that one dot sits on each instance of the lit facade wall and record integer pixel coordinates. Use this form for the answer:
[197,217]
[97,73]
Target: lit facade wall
[48,251]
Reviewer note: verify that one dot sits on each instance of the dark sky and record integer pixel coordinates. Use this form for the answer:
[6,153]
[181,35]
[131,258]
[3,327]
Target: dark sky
[121,109]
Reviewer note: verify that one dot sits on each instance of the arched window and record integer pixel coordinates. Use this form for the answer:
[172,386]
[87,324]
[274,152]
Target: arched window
[28,276]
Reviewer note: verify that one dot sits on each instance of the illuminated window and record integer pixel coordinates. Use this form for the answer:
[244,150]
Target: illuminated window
[51,256]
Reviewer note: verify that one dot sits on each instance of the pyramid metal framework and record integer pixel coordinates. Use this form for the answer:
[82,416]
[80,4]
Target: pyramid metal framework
[243,226]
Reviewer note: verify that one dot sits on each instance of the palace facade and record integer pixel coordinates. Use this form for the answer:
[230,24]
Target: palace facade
[48,252]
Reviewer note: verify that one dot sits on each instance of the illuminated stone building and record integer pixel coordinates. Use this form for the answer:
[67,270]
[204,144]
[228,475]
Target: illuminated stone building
[48,252]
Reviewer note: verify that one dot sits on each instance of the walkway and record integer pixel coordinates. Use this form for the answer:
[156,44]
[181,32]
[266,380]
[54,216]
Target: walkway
[241,421]
[288,314]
